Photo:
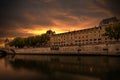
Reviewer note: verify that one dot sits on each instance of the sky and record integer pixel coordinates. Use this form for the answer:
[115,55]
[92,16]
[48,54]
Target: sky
[22,18]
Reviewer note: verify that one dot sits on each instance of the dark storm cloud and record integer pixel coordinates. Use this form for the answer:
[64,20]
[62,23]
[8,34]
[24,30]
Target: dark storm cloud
[38,12]
[20,12]
[110,5]
[15,14]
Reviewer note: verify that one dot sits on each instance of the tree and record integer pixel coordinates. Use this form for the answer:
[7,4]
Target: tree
[18,42]
[45,38]
[113,31]
[42,39]
[32,41]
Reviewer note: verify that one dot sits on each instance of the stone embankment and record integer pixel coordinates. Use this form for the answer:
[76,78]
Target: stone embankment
[100,49]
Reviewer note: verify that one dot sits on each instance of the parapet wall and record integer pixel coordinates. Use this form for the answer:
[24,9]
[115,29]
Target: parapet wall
[109,49]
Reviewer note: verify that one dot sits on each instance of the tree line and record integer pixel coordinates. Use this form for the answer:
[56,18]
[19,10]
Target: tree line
[33,41]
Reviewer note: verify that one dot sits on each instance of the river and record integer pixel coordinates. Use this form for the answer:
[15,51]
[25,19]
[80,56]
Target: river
[37,67]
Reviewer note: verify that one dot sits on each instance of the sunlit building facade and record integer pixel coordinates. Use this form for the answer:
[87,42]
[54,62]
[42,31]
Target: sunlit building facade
[86,36]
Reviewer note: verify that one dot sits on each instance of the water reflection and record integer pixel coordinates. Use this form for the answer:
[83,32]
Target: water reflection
[29,67]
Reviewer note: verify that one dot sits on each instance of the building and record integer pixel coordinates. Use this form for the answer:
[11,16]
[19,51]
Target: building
[86,36]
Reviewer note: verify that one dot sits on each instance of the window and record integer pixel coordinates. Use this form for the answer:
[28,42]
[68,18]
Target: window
[105,38]
[110,38]
[99,38]
[90,42]
[90,39]
[94,39]
[75,40]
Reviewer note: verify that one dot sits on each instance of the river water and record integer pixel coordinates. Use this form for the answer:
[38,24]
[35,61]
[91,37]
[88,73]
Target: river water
[36,67]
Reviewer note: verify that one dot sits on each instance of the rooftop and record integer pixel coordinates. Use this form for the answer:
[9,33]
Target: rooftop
[108,20]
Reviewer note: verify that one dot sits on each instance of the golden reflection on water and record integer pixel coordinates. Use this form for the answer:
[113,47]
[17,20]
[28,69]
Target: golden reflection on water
[60,67]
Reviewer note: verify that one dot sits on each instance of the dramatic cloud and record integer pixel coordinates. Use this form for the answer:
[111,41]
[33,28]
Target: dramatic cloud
[110,5]
[28,17]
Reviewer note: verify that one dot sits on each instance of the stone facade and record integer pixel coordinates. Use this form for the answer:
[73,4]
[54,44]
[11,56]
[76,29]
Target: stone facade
[86,36]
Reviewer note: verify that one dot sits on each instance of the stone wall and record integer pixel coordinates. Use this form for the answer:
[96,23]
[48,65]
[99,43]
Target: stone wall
[111,49]
[33,50]
[101,49]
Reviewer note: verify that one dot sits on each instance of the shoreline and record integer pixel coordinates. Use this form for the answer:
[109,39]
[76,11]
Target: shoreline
[64,54]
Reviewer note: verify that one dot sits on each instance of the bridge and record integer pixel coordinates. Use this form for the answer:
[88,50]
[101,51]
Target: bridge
[7,51]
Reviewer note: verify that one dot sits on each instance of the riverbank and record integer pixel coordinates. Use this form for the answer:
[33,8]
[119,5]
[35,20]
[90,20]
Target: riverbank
[67,54]
[98,49]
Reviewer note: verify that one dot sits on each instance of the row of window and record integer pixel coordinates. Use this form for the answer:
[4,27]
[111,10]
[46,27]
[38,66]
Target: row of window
[76,44]
[99,39]
[79,42]
[75,37]
[82,40]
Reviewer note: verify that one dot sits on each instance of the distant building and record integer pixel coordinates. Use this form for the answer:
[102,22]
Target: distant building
[86,36]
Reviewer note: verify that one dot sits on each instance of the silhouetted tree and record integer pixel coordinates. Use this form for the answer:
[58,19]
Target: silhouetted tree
[18,42]
[113,31]
[32,41]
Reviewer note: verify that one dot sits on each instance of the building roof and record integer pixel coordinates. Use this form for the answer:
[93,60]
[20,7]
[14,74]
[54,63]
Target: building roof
[108,20]
[83,30]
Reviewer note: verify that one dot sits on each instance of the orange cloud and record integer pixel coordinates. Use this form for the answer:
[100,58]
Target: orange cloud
[63,26]
[1,45]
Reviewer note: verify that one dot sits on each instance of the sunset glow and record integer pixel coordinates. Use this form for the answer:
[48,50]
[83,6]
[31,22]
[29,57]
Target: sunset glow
[2,44]
[35,17]
[39,32]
